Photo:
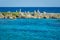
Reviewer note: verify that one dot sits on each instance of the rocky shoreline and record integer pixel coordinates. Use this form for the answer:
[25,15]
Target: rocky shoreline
[35,14]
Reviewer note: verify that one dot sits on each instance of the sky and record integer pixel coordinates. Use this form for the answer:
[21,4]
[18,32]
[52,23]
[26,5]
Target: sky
[29,3]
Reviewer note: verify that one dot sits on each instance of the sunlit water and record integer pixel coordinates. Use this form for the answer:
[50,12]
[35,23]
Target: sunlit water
[30,29]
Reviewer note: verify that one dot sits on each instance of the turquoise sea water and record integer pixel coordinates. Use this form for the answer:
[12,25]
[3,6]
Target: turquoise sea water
[30,29]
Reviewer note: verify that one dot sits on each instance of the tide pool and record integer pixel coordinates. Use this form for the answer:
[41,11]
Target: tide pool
[30,29]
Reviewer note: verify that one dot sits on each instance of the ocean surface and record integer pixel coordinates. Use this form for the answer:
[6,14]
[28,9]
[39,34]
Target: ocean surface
[30,29]
[31,9]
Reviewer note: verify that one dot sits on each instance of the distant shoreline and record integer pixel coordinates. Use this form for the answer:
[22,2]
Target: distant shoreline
[34,14]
